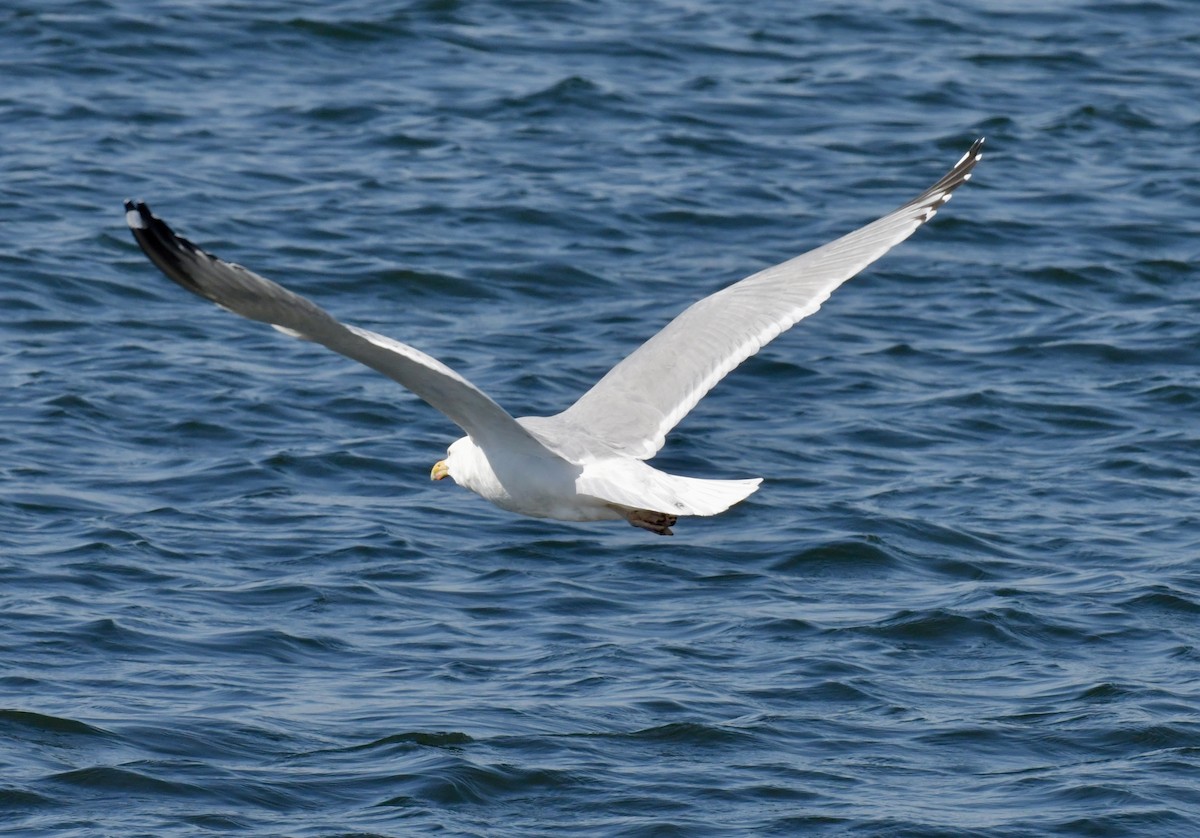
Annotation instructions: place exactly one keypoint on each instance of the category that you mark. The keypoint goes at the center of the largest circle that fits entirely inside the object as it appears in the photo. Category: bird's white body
(586, 463)
(539, 488)
(599, 490)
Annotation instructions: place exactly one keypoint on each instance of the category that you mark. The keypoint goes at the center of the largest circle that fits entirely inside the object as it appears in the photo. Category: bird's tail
(634, 484)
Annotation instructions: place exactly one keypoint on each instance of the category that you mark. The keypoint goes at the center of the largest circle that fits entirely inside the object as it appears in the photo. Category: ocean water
(966, 600)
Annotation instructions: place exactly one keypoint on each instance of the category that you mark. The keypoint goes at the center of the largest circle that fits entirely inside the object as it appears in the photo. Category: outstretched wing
(246, 293)
(642, 398)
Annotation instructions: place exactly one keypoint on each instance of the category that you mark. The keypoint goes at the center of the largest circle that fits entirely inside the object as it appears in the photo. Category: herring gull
(588, 462)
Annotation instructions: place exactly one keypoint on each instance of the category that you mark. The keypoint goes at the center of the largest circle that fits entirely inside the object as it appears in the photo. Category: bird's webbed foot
(656, 522)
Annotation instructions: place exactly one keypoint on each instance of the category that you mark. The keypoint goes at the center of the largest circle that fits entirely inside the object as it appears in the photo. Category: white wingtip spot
(292, 333)
(134, 219)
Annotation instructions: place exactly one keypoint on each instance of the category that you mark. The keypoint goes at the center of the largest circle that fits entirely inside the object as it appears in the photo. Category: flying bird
(588, 462)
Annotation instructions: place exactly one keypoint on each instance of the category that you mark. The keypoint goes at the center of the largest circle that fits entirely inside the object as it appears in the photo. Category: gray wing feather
(634, 406)
(246, 293)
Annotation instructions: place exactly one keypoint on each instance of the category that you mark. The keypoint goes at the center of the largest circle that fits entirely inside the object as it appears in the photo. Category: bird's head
(455, 465)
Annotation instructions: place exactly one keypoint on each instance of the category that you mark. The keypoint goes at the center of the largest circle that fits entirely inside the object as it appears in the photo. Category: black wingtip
(162, 246)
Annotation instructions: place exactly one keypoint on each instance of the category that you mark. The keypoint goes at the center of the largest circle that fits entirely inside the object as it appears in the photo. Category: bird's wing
(634, 406)
(246, 293)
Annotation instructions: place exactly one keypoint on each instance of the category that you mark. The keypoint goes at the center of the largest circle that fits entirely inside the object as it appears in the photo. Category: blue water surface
(966, 600)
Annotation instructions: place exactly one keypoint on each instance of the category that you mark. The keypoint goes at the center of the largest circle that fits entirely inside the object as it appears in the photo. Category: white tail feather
(636, 485)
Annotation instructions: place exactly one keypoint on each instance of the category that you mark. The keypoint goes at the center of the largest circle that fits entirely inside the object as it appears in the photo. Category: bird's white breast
(542, 487)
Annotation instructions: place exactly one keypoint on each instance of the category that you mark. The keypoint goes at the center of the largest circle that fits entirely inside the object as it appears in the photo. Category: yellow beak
(440, 470)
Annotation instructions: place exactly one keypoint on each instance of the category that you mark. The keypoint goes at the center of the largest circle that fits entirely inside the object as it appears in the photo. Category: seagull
(588, 462)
